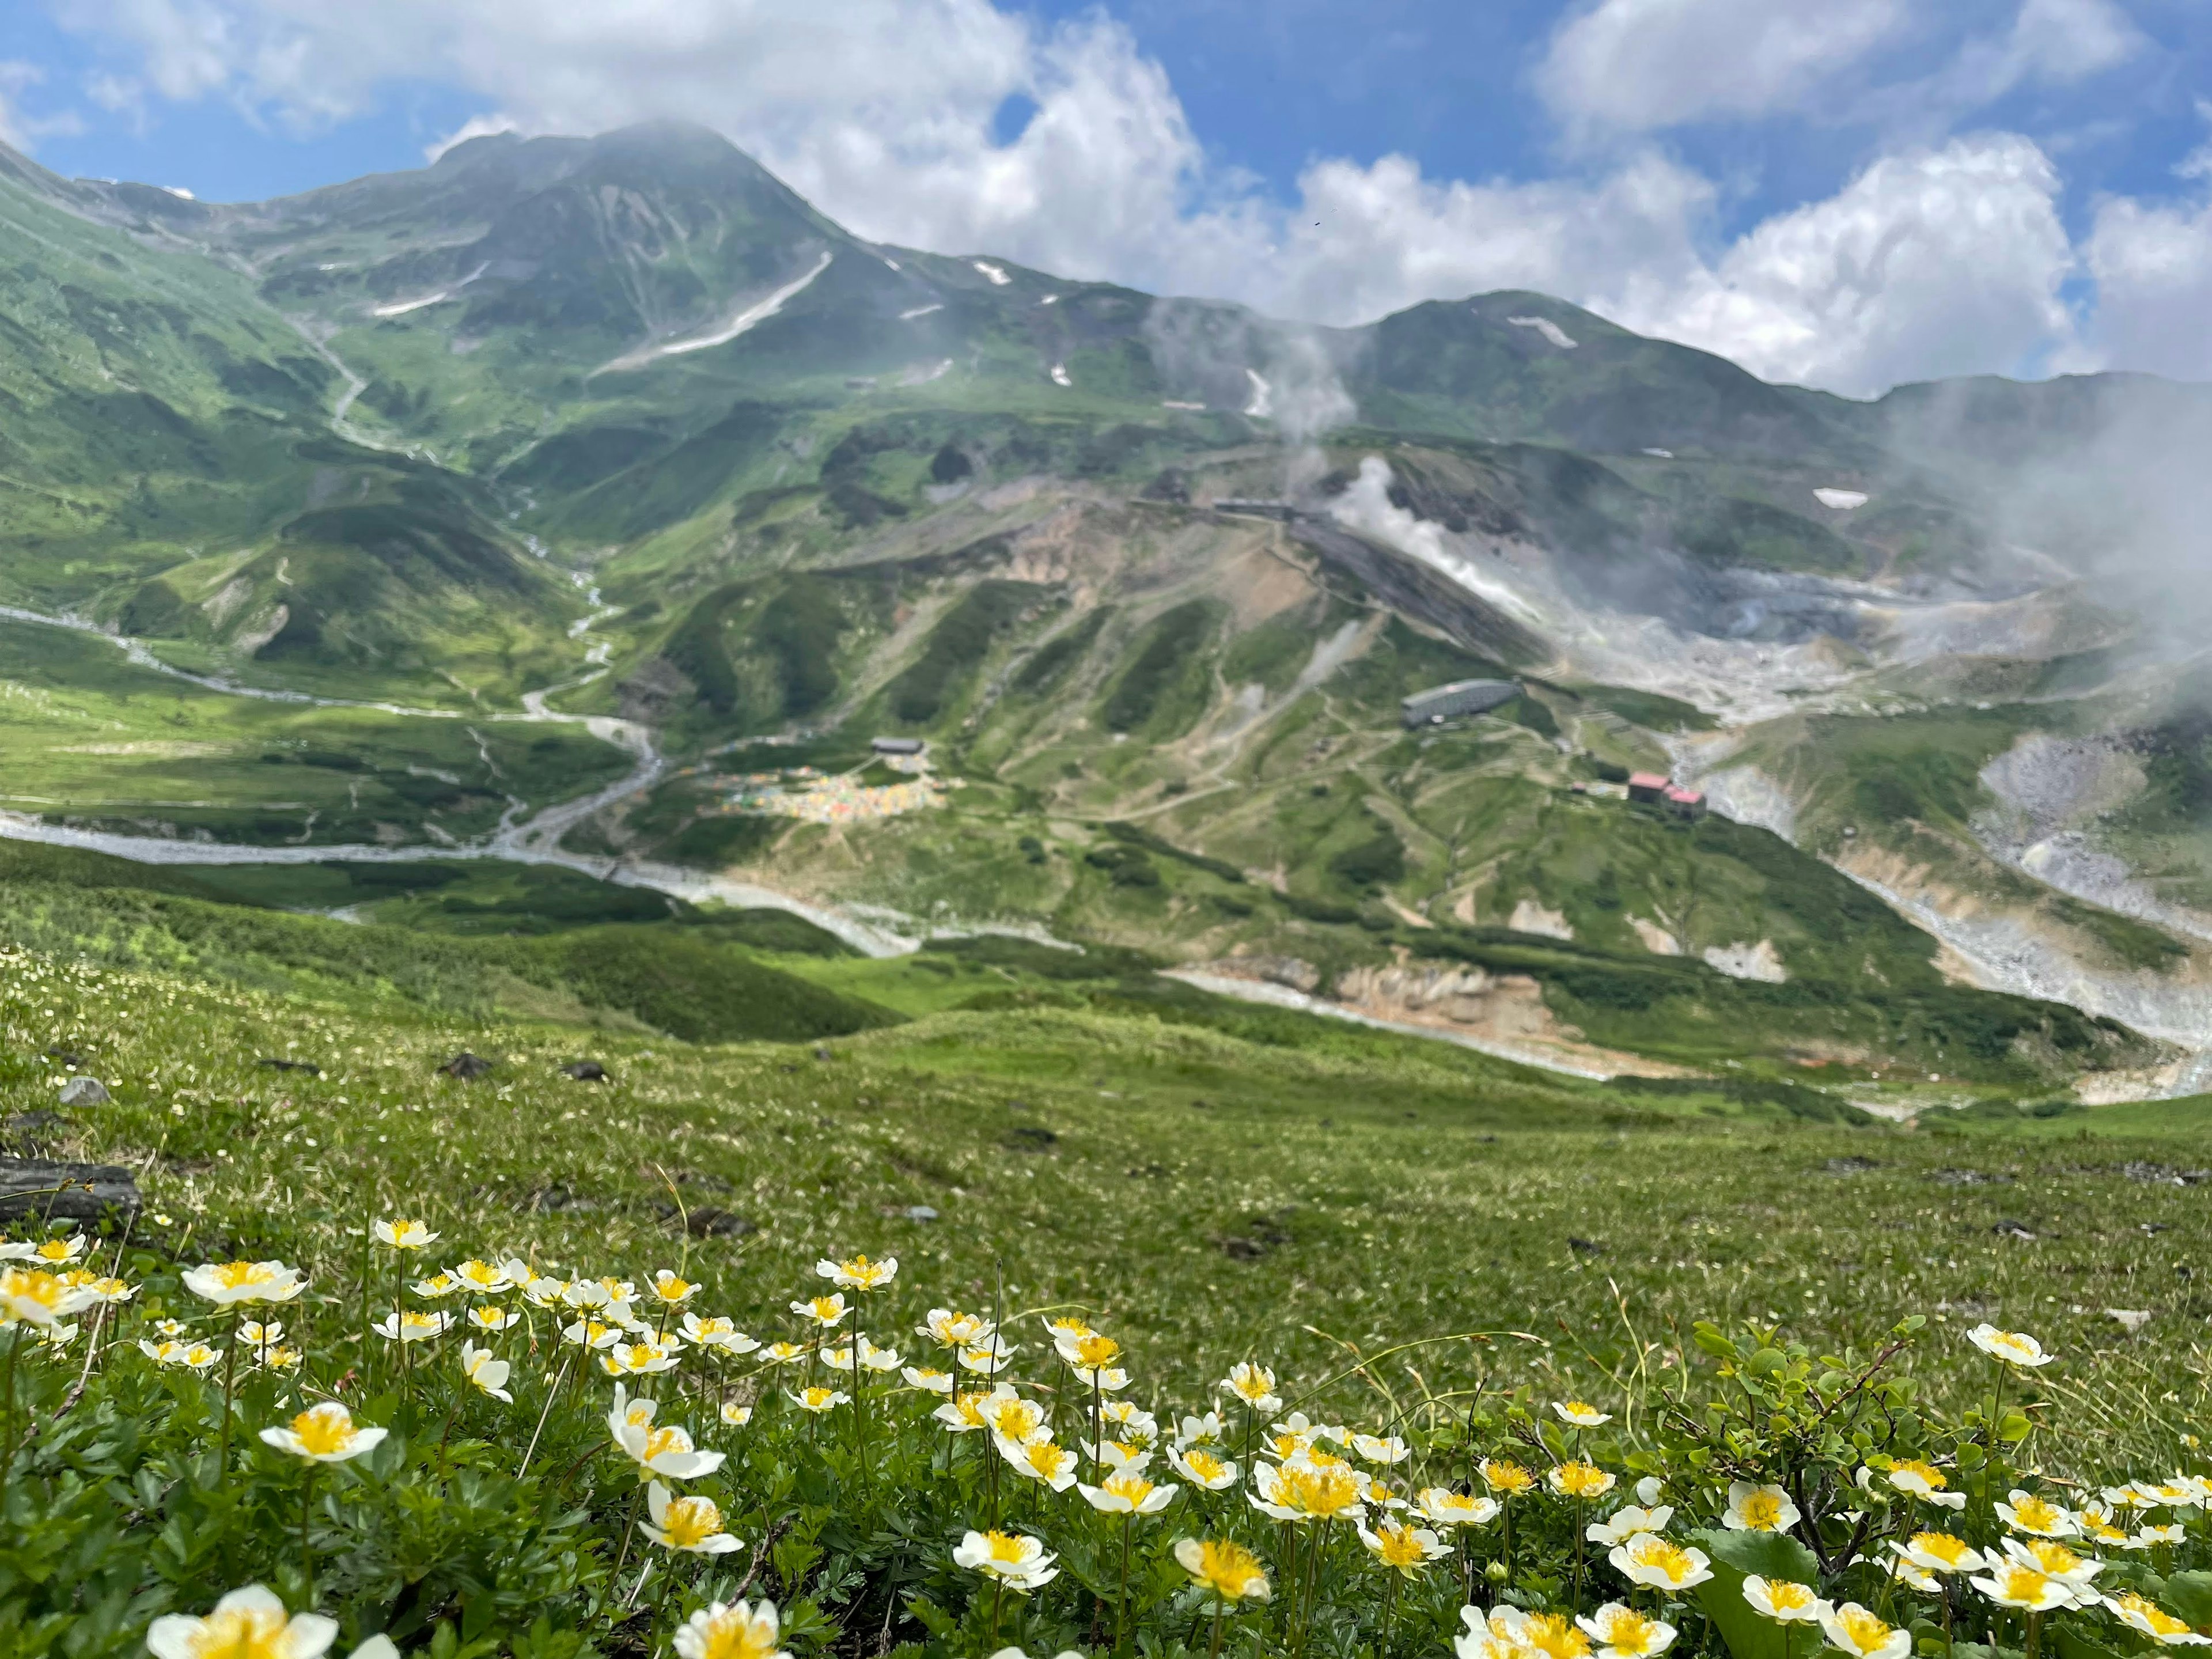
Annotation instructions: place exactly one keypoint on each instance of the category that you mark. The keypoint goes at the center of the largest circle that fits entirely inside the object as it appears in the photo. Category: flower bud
(1495, 1572)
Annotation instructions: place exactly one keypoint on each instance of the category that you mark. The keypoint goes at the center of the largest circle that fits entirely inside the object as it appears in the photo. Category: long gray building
(1460, 697)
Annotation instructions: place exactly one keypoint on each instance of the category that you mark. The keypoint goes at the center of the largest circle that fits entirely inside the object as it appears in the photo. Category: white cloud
(1940, 262)
(1639, 65)
(883, 112)
(2153, 266)
(19, 130)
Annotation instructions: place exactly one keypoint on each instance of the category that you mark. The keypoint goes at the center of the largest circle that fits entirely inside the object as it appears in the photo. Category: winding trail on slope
(524, 840)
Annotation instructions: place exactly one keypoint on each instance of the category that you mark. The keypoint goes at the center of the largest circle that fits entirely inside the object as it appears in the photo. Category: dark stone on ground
(306, 1065)
(1584, 1247)
(466, 1066)
(87, 1191)
(84, 1091)
(1031, 1138)
(585, 1071)
(2011, 1228)
(709, 1222)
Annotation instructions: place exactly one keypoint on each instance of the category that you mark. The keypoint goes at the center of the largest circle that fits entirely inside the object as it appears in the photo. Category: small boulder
(306, 1065)
(84, 1091)
(585, 1071)
(709, 1222)
(70, 1192)
(465, 1066)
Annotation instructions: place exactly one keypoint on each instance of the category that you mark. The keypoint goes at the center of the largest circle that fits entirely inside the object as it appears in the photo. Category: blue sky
(1849, 193)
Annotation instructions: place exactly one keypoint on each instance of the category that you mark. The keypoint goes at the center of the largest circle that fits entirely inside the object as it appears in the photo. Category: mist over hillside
(589, 505)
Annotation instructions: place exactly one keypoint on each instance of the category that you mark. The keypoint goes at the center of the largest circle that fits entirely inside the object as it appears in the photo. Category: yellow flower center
(1507, 1477)
(688, 1521)
(1927, 1472)
(1555, 1635)
(41, 1288)
(1670, 1558)
(970, 1407)
(828, 1309)
(1096, 1351)
(1582, 1480)
(233, 1275)
(1018, 1419)
(863, 1273)
(1229, 1571)
(57, 1249)
(1865, 1632)
(240, 1633)
(324, 1429)
(1321, 1493)
(673, 1289)
(732, 1635)
(1789, 1596)
(2022, 1584)
(1629, 1633)
(2161, 1622)
(1942, 1545)
(1006, 1548)
(660, 1442)
(1399, 1546)
(1762, 1510)
(2055, 1560)
(2036, 1514)
(817, 1397)
(1133, 1488)
(1204, 1468)
(1047, 1459)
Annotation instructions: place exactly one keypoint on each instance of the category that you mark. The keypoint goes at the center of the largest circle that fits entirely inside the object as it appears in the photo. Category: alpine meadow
(720, 940)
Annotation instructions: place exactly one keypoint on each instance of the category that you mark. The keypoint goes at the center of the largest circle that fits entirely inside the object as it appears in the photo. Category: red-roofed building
(1647, 787)
(1685, 803)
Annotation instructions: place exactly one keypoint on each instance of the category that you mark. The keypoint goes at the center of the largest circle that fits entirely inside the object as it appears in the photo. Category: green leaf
(1736, 1557)
(2069, 1642)
(2189, 1595)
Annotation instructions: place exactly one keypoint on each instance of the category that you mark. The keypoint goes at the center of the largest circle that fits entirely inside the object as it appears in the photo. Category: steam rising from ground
(1365, 508)
(1230, 358)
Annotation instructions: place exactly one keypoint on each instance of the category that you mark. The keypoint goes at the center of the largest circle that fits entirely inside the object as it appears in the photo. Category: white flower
(2052, 1559)
(412, 1326)
(1925, 1481)
(1661, 1564)
(1207, 1430)
(643, 1358)
(730, 1631)
(1039, 1460)
(1758, 1508)
(928, 1379)
(988, 1360)
(324, 1434)
(405, 1235)
(859, 1273)
(1621, 1633)
(1446, 1508)
(1202, 1468)
(234, 1282)
(1785, 1600)
(2138, 1613)
(819, 1399)
(1377, 1449)
(735, 1415)
(1626, 1521)
(1402, 1548)
(955, 1330)
(1016, 1560)
(2014, 1584)
(2014, 1347)
(1253, 1384)
(718, 1334)
(191, 1356)
(1862, 1634)
(488, 1372)
(1582, 1416)
(2037, 1516)
(246, 1624)
(657, 1450)
(493, 1319)
(1125, 1491)
(672, 1290)
(693, 1525)
(482, 1276)
(1938, 1552)
(37, 1297)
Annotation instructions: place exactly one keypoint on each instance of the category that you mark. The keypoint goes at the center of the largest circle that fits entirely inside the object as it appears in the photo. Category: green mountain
(560, 501)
